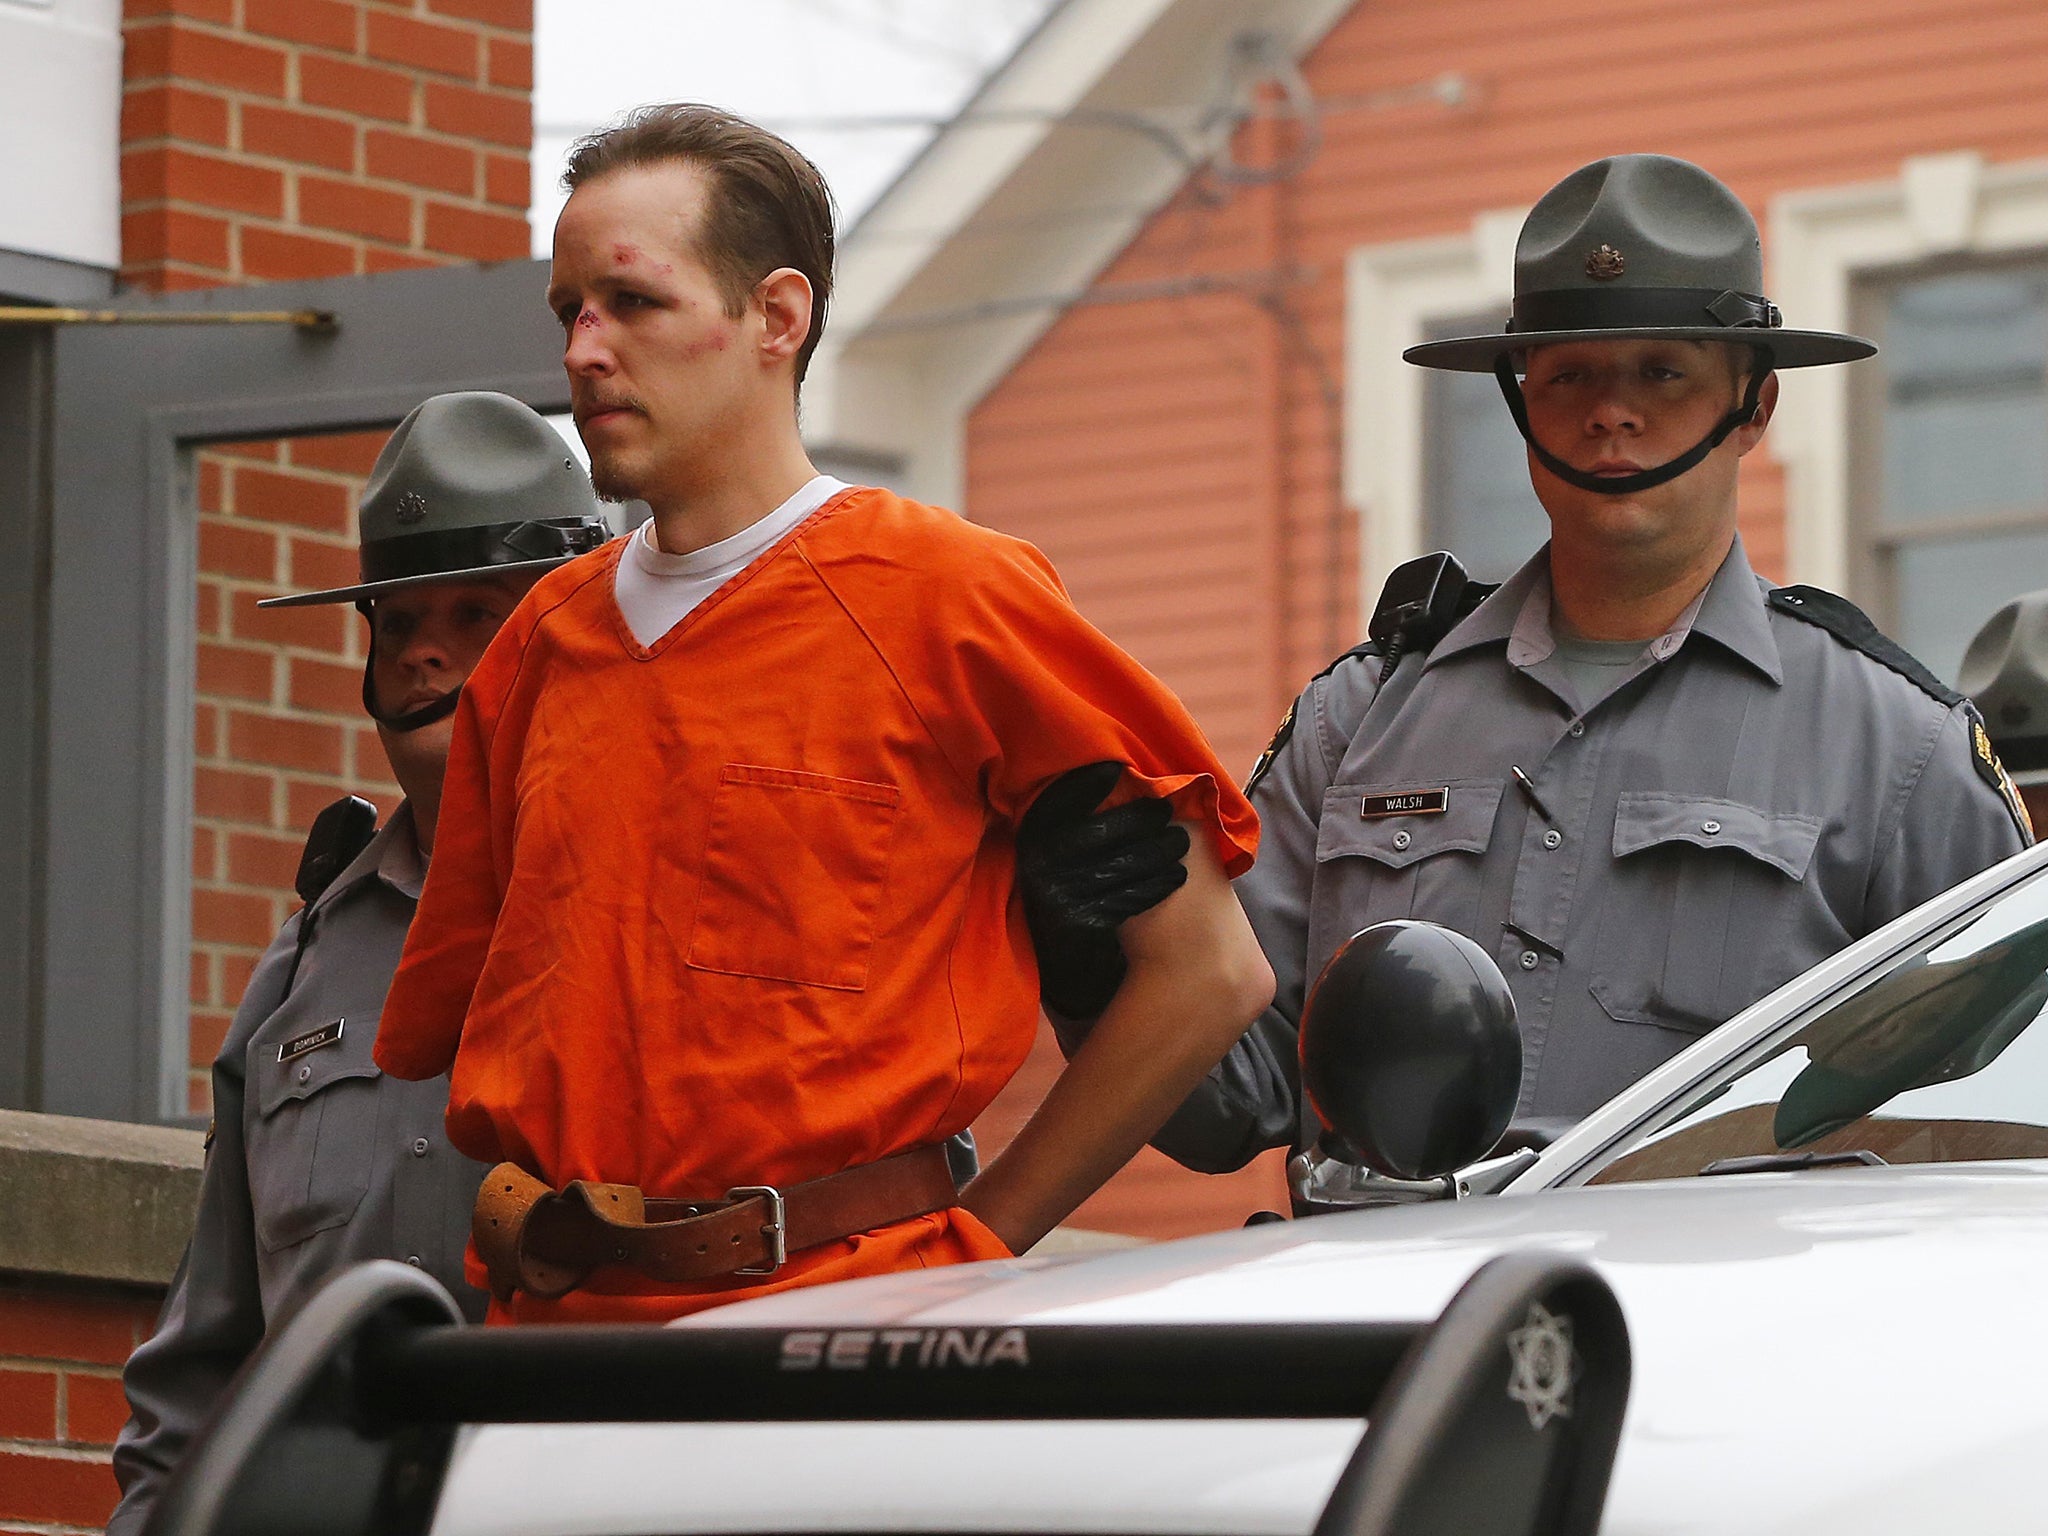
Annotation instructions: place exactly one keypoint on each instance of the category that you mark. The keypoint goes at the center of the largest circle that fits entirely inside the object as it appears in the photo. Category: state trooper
(316, 1159)
(1652, 785)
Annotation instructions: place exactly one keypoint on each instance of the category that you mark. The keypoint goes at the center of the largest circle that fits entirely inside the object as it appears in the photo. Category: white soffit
(60, 120)
(1026, 197)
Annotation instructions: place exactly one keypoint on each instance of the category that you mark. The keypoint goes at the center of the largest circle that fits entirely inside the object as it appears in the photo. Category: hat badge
(1604, 262)
(412, 506)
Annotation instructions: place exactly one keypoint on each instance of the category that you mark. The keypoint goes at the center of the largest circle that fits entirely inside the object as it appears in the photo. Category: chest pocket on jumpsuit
(1692, 927)
(1372, 869)
(795, 867)
(313, 1136)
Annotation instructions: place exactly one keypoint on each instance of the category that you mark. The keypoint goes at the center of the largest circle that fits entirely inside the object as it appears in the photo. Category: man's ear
(784, 300)
(1751, 432)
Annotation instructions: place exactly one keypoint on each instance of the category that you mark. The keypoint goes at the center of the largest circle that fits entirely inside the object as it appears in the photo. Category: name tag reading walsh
(311, 1040)
(1415, 802)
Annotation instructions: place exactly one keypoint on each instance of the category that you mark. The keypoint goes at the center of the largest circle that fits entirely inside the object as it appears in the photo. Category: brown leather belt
(546, 1243)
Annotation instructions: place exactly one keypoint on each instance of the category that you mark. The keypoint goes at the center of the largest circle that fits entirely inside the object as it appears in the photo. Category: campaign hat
(2005, 673)
(470, 484)
(1640, 248)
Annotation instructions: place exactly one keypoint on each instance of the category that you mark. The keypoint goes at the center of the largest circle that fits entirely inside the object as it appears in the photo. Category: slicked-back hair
(769, 207)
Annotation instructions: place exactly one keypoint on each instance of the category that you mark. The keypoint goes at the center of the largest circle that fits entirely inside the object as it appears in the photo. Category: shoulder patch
(1851, 625)
(1285, 731)
(1992, 772)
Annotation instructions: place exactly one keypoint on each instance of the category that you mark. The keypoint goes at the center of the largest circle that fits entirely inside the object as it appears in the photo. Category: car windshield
(1943, 1058)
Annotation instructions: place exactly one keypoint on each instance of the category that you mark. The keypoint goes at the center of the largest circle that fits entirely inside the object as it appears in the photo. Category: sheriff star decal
(1544, 1366)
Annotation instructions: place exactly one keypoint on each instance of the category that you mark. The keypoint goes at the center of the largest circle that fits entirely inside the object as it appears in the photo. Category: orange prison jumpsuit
(737, 908)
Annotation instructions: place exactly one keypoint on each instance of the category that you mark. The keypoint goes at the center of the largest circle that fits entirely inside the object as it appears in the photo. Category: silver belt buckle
(778, 1239)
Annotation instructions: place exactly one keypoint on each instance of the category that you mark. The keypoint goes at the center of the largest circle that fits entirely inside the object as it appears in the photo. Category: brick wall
(61, 1349)
(271, 140)
(278, 725)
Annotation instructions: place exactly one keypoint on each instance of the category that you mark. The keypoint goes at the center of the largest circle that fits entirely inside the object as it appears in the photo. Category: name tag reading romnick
(1415, 802)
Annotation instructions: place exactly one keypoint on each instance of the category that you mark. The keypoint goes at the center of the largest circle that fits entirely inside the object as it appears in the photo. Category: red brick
(268, 449)
(231, 917)
(508, 181)
(236, 967)
(212, 484)
(232, 548)
(473, 114)
(266, 496)
(307, 798)
(170, 111)
(342, 453)
(319, 628)
(323, 23)
(206, 730)
(510, 64)
(207, 608)
(205, 851)
(28, 1405)
(354, 209)
(94, 1408)
(316, 567)
(235, 672)
(198, 1094)
(169, 49)
(375, 260)
(278, 256)
(223, 794)
(204, 1034)
(221, 11)
(477, 235)
(366, 89)
(326, 687)
(511, 15)
(284, 133)
(199, 987)
(428, 45)
(45, 1488)
(310, 797)
(271, 862)
(176, 174)
(312, 746)
(174, 234)
(419, 162)
(171, 279)
(43, 1326)
(370, 761)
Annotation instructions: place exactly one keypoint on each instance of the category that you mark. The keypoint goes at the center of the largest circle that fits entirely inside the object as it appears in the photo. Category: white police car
(1788, 1283)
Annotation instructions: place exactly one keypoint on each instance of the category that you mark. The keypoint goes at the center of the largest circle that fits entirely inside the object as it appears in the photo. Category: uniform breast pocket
(1704, 893)
(313, 1138)
(1385, 851)
(795, 869)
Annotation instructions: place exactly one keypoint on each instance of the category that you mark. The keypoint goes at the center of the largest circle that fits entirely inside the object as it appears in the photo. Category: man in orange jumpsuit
(722, 914)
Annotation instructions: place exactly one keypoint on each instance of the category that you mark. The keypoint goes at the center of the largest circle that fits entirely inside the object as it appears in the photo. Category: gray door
(97, 429)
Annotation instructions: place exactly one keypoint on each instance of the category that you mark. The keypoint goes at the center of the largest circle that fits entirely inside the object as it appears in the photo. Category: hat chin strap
(412, 720)
(1642, 480)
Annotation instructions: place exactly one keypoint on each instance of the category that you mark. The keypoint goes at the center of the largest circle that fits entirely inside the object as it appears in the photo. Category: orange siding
(1175, 457)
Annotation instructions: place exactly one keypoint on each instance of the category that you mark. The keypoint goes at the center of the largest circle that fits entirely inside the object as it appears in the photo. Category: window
(1950, 451)
(1476, 498)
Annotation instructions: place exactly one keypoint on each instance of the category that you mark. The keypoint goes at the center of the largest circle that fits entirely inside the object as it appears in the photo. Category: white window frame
(1819, 243)
(1393, 295)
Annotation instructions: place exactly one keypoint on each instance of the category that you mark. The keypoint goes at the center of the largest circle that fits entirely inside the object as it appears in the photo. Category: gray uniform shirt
(1745, 799)
(319, 1161)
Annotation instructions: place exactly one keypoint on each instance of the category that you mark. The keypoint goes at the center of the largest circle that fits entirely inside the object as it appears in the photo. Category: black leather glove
(1082, 872)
